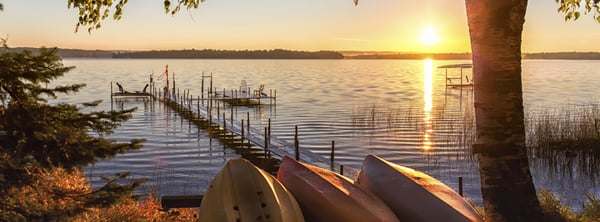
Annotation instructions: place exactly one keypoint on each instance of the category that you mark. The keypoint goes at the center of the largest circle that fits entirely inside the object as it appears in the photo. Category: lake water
(397, 109)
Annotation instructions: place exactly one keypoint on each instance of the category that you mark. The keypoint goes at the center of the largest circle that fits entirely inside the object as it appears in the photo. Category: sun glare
(429, 36)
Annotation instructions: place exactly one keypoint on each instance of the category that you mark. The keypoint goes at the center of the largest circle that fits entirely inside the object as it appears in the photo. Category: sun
(429, 36)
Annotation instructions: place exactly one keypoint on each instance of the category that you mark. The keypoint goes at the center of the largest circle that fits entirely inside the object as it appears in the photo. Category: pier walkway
(198, 109)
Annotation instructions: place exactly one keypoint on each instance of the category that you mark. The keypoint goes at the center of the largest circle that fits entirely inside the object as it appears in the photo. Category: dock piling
(297, 144)
(332, 152)
(460, 186)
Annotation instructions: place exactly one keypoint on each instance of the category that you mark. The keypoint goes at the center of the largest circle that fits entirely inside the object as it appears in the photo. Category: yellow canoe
(413, 195)
(324, 195)
(242, 192)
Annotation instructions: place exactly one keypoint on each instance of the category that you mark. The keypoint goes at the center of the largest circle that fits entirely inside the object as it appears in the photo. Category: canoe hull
(324, 195)
(243, 192)
(413, 195)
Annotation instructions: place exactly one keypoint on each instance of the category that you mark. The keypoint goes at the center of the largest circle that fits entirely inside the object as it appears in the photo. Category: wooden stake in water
(224, 122)
(242, 130)
(297, 144)
(332, 152)
(266, 140)
(248, 118)
(460, 186)
(199, 107)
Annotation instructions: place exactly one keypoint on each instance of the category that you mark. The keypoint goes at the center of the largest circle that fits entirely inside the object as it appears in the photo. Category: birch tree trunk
(495, 28)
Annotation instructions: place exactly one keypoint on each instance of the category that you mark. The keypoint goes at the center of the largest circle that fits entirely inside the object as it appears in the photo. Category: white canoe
(327, 196)
(413, 195)
(243, 192)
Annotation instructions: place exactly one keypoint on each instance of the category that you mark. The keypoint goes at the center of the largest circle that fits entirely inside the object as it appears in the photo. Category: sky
(373, 25)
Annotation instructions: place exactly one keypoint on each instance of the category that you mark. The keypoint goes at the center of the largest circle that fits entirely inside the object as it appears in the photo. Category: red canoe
(324, 195)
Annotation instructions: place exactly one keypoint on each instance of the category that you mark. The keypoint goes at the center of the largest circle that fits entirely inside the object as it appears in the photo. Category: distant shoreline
(290, 54)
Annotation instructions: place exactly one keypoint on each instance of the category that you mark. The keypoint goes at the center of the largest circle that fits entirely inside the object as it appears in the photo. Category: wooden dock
(256, 145)
(458, 80)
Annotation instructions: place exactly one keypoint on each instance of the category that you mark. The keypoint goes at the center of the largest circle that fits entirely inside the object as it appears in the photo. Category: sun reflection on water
(427, 104)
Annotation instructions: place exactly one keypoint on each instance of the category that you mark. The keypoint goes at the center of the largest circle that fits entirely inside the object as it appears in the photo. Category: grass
(555, 211)
(567, 140)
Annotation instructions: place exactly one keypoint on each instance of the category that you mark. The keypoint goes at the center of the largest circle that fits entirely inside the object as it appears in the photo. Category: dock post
(332, 153)
(342, 169)
(224, 123)
(297, 144)
(266, 140)
(202, 90)
(111, 96)
(231, 116)
(269, 128)
(248, 118)
(270, 97)
(460, 186)
(198, 107)
(218, 109)
(242, 131)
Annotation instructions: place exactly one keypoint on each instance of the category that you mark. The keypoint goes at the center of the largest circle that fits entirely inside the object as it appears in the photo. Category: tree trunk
(495, 27)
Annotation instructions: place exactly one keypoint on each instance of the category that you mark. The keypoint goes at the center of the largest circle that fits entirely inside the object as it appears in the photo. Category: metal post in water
(332, 152)
(199, 107)
(460, 186)
(297, 144)
(266, 140)
(242, 130)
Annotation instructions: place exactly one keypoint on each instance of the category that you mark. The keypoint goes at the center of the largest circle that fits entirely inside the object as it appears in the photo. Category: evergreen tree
(37, 137)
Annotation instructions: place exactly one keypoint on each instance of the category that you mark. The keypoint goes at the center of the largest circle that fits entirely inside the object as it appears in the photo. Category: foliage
(58, 194)
(37, 138)
(572, 8)
(58, 191)
(591, 209)
(555, 211)
(92, 12)
(553, 208)
(130, 209)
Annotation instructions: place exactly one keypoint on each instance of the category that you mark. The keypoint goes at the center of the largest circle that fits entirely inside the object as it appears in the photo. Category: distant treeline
(231, 54)
(563, 55)
(439, 56)
(71, 53)
(289, 54)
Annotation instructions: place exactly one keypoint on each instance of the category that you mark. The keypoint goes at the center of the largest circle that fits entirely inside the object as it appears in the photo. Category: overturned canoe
(413, 195)
(243, 192)
(324, 195)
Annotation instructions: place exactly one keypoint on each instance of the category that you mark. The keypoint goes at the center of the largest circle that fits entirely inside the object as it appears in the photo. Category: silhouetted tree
(38, 137)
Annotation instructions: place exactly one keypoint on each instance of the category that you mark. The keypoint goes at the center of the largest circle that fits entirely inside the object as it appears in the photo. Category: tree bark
(495, 28)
